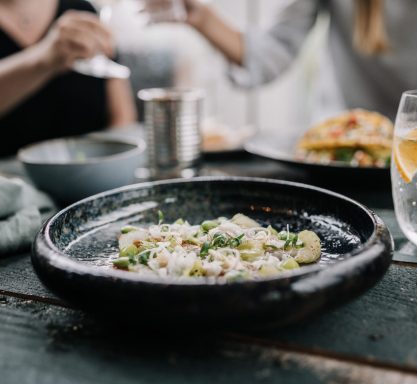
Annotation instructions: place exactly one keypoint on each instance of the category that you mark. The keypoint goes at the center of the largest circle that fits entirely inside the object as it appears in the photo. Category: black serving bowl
(72, 251)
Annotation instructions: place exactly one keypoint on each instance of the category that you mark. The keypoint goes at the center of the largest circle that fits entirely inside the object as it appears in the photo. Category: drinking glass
(159, 11)
(404, 165)
(100, 65)
(147, 12)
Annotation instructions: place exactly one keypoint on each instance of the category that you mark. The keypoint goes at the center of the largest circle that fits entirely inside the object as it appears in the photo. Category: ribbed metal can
(172, 120)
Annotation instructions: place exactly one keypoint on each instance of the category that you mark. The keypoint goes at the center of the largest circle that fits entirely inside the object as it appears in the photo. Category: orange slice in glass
(405, 155)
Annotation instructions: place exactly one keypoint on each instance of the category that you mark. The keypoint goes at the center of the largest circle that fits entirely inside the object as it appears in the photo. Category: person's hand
(196, 12)
(75, 35)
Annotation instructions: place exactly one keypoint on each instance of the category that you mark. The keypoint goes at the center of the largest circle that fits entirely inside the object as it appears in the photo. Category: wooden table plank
(367, 328)
(19, 278)
(381, 325)
(44, 344)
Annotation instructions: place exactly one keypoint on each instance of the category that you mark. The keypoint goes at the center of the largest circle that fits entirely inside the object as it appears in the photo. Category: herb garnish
(144, 257)
(220, 240)
(160, 217)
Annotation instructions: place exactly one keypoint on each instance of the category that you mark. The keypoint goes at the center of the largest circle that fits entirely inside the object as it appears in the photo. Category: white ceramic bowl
(72, 168)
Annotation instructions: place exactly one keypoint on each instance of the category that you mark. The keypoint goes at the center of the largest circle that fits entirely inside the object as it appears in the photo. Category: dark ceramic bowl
(71, 253)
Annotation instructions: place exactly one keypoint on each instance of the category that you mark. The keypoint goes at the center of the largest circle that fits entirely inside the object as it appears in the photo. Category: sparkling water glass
(404, 165)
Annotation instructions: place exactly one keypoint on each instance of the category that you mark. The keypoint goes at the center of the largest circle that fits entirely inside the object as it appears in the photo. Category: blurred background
(171, 54)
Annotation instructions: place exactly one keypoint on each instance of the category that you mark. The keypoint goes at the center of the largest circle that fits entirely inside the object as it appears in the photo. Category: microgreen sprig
(144, 256)
(220, 240)
(160, 217)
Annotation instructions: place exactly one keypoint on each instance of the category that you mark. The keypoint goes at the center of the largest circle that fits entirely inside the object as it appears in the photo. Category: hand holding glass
(147, 12)
(100, 65)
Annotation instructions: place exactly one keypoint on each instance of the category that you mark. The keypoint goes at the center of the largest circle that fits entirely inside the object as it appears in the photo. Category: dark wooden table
(370, 340)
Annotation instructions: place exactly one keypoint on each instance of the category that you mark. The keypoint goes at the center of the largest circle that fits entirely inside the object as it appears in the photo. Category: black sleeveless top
(69, 104)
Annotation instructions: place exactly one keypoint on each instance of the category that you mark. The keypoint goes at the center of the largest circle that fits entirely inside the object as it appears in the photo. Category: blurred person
(371, 45)
(40, 97)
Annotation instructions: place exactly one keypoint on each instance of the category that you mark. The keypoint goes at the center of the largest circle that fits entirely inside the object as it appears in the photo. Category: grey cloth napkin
(21, 208)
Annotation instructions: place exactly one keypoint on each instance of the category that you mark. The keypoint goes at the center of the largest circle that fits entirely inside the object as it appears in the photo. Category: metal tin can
(173, 130)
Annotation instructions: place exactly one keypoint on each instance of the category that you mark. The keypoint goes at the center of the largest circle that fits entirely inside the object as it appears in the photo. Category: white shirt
(371, 82)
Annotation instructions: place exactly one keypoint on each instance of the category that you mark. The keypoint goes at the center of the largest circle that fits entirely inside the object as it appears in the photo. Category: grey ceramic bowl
(72, 251)
(70, 169)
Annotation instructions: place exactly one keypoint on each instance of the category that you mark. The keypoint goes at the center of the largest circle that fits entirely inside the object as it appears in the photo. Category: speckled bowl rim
(138, 147)
(374, 248)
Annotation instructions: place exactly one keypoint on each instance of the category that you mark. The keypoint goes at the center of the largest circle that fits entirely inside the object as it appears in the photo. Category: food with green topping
(216, 251)
(357, 137)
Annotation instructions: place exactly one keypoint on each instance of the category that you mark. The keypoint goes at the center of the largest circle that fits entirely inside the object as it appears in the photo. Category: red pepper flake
(352, 122)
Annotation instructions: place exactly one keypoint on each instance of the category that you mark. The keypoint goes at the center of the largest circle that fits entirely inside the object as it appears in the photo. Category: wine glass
(159, 11)
(100, 65)
(404, 165)
(146, 12)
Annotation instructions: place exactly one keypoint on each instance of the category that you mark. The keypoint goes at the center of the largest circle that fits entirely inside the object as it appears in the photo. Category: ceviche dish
(358, 137)
(216, 251)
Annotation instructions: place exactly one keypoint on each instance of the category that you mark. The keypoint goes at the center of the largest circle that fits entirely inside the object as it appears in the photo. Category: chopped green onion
(131, 250)
(273, 230)
(270, 246)
(236, 241)
(294, 239)
(287, 244)
(299, 244)
(208, 224)
(290, 263)
(121, 263)
(204, 249)
(283, 235)
(160, 217)
(128, 228)
(193, 240)
(219, 241)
